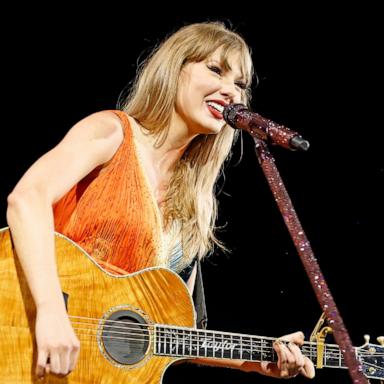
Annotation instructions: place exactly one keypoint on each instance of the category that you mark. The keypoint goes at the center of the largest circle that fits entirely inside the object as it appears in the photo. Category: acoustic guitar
(131, 328)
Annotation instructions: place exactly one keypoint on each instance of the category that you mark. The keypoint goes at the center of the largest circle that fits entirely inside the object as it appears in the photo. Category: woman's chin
(215, 128)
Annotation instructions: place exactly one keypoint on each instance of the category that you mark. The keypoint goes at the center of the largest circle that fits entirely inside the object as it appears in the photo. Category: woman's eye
(241, 85)
(215, 69)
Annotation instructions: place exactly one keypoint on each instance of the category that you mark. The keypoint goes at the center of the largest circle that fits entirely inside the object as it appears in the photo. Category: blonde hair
(191, 194)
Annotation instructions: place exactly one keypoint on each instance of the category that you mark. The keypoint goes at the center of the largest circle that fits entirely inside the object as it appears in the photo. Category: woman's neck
(164, 157)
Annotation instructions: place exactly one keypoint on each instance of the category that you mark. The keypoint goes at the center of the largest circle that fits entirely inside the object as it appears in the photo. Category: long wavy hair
(191, 196)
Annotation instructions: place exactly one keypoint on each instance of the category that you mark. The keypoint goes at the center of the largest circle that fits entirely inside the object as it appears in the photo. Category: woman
(135, 188)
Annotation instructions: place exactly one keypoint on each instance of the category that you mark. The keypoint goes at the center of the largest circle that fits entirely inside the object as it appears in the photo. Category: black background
(320, 73)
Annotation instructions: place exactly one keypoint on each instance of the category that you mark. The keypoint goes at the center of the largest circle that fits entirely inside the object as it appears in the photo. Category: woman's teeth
(217, 106)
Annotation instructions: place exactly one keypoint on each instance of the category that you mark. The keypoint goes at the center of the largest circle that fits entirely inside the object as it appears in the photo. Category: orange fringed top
(112, 213)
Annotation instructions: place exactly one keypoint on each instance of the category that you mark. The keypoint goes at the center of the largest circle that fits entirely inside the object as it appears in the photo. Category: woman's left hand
(291, 361)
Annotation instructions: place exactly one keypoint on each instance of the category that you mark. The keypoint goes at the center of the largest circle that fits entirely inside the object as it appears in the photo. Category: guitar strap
(199, 299)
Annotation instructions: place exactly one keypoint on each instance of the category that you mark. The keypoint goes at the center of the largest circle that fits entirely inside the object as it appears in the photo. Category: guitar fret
(312, 357)
(235, 347)
(165, 343)
(332, 356)
(184, 336)
(212, 345)
(325, 356)
(191, 343)
(168, 343)
(245, 348)
(161, 342)
(222, 345)
(174, 341)
(156, 339)
(198, 344)
(179, 346)
(307, 351)
(171, 344)
(219, 352)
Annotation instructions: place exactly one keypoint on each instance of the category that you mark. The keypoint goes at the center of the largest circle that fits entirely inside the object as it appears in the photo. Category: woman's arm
(90, 143)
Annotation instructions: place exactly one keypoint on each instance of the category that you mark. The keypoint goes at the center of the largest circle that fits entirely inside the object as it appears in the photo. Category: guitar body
(96, 299)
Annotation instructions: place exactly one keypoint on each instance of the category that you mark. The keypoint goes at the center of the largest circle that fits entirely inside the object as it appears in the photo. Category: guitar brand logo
(218, 345)
(193, 342)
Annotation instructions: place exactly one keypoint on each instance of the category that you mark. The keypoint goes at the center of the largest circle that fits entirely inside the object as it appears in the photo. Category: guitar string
(180, 329)
(195, 352)
(245, 342)
(181, 332)
(165, 340)
(168, 345)
(163, 335)
(197, 331)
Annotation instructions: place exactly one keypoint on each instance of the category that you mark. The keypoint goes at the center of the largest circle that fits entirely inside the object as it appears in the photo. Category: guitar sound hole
(125, 337)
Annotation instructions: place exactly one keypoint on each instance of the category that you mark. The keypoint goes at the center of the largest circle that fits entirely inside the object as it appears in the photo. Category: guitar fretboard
(190, 343)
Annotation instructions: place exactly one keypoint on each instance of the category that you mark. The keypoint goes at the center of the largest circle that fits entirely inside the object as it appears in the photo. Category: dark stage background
(320, 73)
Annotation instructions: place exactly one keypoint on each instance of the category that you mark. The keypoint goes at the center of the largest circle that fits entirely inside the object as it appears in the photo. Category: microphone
(240, 117)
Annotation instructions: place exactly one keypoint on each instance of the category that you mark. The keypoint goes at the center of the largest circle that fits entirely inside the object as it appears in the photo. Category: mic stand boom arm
(324, 297)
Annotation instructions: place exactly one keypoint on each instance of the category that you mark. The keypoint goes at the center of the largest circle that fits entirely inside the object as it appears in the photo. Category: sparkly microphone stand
(261, 129)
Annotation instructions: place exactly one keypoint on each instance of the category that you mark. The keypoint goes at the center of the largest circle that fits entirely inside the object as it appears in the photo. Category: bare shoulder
(100, 133)
(90, 143)
(99, 125)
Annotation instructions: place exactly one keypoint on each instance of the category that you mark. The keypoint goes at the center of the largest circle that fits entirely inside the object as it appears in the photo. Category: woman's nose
(228, 89)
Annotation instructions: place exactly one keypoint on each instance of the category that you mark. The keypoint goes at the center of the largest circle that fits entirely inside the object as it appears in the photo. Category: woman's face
(204, 89)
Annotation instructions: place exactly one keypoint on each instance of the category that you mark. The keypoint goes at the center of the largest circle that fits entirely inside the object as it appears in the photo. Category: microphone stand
(324, 297)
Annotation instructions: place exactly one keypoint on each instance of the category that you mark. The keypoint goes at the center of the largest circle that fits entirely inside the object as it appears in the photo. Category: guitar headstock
(371, 357)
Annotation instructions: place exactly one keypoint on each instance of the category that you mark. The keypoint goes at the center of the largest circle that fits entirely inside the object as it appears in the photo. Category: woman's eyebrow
(224, 63)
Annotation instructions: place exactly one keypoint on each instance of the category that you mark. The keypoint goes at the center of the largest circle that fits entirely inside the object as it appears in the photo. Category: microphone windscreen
(230, 112)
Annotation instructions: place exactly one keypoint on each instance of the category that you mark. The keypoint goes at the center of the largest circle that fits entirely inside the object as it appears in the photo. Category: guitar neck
(191, 343)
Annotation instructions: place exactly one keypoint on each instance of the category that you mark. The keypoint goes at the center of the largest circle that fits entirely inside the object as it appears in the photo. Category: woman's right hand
(55, 340)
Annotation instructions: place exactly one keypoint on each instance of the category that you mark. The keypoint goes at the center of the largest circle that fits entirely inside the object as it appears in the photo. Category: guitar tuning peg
(366, 338)
(380, 340)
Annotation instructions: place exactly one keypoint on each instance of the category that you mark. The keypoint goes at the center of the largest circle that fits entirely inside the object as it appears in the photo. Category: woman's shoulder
(100, 134)
(111, 125)
(105, 123)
